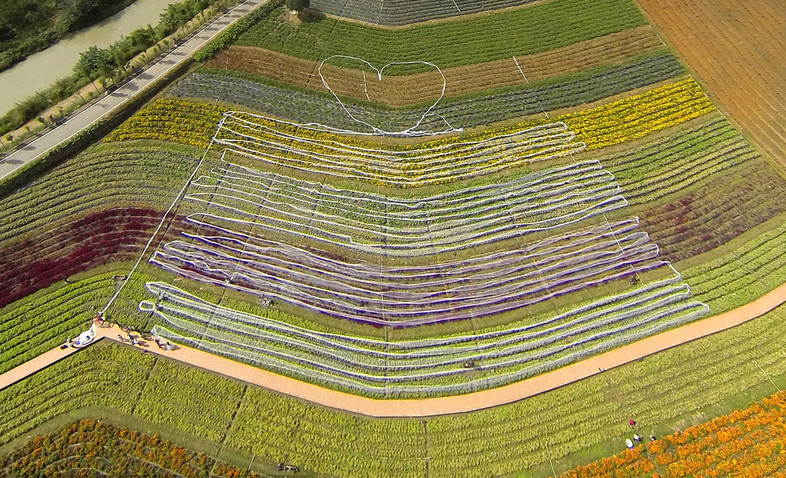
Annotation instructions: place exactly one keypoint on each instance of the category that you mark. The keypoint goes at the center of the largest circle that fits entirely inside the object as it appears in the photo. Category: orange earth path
(441, 405)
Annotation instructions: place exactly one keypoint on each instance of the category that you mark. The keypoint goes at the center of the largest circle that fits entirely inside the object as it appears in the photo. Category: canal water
(40, 70)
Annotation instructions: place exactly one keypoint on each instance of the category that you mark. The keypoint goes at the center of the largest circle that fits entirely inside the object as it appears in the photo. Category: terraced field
(397, 12)
(616, 49)
(661, 393)
(460, 219)
(95, 209)
(247, 216)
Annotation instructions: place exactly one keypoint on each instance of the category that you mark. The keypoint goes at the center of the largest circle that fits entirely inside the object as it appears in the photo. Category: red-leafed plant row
(716, 214)
(98, 238)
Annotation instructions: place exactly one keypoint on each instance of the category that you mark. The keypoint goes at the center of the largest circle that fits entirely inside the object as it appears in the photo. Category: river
(40, 70)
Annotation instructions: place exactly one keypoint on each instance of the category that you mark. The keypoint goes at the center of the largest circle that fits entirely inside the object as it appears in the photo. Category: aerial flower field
(746, 442)
(401, 210)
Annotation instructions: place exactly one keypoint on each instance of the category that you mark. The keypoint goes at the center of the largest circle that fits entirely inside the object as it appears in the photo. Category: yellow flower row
(606, 125)
(175, 121)
(637, 116)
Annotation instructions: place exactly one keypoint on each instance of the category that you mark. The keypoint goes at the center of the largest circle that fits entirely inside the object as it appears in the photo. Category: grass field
(541, 27)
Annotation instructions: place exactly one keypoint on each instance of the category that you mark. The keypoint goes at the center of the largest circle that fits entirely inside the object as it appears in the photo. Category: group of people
(636, 437)
(134, 339)
(164, 346)
(99, 321)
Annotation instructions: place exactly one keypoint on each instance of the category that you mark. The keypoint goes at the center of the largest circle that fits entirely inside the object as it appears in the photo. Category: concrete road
(116, 99)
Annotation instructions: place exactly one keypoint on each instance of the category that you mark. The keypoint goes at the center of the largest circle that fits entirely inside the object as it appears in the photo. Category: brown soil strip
(399, 91)
(443, 405)
(612, 49)
(736, 48)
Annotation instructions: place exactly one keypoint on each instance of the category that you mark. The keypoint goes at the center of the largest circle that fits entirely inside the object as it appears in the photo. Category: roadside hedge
(229, 36)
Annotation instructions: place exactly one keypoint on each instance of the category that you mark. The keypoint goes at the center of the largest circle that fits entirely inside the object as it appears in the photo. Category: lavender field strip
(586, 258)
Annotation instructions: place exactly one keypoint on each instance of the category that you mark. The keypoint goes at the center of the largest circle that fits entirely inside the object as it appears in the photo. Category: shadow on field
(311, 16)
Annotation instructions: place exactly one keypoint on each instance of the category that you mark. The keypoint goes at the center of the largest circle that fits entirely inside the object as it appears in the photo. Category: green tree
(7, 33)
(296, 5)
(176, 15)
(94, 62)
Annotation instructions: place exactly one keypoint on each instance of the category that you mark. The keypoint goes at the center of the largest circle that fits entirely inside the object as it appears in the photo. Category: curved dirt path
(432, 406)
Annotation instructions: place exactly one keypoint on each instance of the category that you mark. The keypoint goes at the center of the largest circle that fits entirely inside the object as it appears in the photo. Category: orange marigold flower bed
(747, 443)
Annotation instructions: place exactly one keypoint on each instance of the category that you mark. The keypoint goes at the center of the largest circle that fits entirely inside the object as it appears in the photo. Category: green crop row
(678, 161)
(658, 392)
(742, 275)
(229, 36)
(41, 322)
(541, 27)
(728, 206)
(128, 173)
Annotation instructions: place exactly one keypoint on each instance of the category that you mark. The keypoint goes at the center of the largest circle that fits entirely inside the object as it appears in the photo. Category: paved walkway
(433, 406)
(111, 102)
(34, 365)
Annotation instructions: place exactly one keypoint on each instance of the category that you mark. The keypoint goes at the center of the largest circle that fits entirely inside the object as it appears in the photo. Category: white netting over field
(278, 143)
(244, 200)
(456, 364)
(404, 262)
(410, 296)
